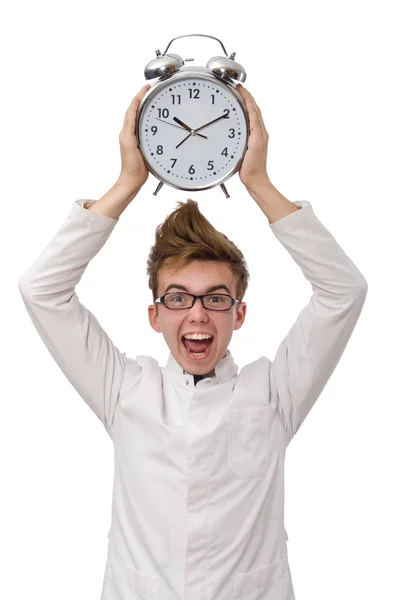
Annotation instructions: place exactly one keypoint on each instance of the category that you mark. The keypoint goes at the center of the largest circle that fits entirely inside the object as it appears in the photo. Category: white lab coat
(198, 497)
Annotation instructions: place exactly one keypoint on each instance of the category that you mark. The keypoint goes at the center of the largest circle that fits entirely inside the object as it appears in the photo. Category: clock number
(164, 112)
(173, 98)
(210, 165)
(159, 149)
(234, 133)
(191, 171)
(213, 98)
(154, 129)
(196, 91)
(174, 159)
(227, 111)
(225, 152)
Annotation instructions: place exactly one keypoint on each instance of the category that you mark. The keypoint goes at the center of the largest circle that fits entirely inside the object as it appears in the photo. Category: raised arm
(92, 363)
(80, 346)
(309, 353)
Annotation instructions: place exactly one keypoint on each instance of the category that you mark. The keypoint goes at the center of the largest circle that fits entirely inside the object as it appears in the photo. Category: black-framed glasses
(181, 300)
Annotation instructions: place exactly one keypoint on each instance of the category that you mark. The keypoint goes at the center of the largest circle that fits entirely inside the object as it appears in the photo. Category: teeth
(198, 336)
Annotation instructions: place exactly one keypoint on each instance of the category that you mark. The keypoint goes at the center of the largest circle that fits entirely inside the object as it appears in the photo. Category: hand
(133, 168)
(253, 173)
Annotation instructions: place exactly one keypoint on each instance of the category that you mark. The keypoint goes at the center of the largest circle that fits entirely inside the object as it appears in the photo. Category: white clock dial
(190, 160)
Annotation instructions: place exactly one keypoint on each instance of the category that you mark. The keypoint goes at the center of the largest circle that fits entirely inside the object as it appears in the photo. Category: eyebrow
(211, 289)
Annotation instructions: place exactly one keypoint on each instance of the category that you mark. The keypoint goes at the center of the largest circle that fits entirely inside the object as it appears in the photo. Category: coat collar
(223, 371)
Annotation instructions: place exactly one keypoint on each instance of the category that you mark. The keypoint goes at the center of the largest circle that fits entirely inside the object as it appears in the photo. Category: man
(198, 502)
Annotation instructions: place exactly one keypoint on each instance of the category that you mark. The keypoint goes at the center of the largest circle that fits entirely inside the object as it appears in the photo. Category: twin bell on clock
(192, 125)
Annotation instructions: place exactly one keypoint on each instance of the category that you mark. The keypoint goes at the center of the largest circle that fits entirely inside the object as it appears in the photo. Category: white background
(323, 75)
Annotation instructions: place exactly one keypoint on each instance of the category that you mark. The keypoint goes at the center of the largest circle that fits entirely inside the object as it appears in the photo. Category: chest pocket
(248, 441)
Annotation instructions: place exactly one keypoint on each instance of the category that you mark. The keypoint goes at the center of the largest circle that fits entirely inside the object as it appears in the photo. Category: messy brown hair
(186, 235)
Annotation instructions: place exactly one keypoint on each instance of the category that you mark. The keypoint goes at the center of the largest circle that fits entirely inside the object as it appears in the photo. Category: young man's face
(197, 278)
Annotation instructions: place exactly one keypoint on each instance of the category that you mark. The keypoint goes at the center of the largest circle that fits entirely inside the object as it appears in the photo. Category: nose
(197, 311)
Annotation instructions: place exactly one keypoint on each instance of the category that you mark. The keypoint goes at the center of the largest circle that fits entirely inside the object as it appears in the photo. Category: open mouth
(197, 348)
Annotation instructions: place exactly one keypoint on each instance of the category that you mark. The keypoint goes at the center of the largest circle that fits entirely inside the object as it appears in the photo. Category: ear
(153, 318)
(241, 312)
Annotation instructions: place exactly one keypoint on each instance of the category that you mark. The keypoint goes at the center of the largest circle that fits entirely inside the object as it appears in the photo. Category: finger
(264, 130)
(263, 126)
(130, 115)
(260, 118)
(254, 111)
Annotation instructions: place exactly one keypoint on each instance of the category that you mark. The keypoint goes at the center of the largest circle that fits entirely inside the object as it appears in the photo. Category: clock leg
(158, 188)
(225, 190)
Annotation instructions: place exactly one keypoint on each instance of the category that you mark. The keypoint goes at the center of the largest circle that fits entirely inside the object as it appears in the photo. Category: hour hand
(183, 124)
(187, 127)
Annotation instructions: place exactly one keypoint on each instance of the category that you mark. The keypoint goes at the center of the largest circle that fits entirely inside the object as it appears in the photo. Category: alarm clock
(192, 125)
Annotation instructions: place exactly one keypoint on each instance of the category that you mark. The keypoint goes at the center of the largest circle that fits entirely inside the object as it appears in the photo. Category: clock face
(192, 159)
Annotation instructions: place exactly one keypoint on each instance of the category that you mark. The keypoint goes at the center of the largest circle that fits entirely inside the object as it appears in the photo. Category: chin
(198, 368)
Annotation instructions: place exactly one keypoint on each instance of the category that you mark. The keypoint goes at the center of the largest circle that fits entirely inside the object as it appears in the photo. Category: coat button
(187, 383)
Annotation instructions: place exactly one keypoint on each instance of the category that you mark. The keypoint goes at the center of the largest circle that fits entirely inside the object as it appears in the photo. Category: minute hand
(210, 123)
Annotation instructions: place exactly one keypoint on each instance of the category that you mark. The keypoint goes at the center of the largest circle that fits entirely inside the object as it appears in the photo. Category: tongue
(197, 345)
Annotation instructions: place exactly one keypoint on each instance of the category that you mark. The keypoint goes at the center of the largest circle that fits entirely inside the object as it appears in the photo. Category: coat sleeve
(308, 355)
(74, 337)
